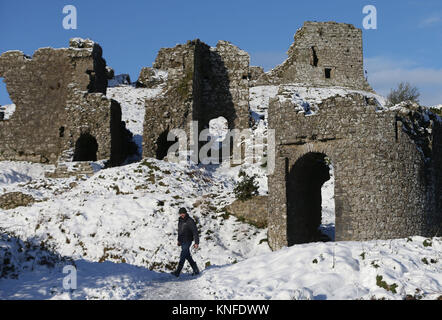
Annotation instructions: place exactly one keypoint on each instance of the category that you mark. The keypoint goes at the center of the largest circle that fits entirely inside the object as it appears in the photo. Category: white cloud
(431, 20)
(385, 73)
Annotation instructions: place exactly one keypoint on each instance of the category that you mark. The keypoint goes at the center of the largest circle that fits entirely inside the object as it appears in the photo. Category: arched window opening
(86, 148)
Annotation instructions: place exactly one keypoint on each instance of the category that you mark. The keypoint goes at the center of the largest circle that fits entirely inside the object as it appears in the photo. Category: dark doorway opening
(304, 198)
(328, 72)
(86, 148)
(163, 145)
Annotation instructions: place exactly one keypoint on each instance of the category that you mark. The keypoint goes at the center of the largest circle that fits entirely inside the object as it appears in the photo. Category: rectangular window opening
(328, 73)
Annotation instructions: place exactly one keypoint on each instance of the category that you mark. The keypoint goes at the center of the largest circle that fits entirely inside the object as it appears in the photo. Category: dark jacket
(187, 231)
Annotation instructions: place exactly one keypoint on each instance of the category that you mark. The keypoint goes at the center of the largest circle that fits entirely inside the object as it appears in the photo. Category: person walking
(187, 233)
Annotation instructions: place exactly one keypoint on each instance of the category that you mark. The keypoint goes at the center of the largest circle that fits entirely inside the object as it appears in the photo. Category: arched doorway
(218, 133)
(86, 148)
(163, 145)
(304, 198)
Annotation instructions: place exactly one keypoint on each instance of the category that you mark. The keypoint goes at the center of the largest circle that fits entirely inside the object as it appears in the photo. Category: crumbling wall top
(323, 54)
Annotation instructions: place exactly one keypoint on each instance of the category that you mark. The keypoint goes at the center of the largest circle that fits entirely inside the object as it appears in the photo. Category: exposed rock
(253, 211)
(255, 74)
(151, 78)
(14, 200)
(78, 170)
(118, 80)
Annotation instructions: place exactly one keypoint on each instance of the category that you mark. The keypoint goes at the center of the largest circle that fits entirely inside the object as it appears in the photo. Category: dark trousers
(185, 255)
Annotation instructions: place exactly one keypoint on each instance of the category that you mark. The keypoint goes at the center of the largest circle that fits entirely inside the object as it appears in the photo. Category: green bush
(246, 188)
(389, 287)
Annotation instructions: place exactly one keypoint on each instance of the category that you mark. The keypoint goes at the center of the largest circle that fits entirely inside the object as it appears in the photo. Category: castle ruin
(387, 161)
(203, 83)
(323, 54)
(62, 110)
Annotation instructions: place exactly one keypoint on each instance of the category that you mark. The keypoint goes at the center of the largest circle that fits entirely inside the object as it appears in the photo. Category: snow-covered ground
(118, 228)
(8, 110)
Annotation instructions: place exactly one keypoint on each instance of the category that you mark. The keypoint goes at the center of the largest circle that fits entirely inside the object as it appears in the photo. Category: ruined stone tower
(387, 167)
(203, 83)
(387, 162)
(324, 54)
(61, 106)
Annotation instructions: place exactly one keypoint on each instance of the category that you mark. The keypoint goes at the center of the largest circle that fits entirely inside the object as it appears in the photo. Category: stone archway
(86, 148)
(163, 145)
(304, 199)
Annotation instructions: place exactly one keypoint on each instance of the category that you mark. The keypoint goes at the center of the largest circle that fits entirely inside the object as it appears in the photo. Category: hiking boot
(196, 271)
(175, 273)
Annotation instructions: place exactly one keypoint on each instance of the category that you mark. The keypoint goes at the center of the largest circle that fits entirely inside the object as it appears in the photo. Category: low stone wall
(253, 211)
(78, 170)
(14, 200)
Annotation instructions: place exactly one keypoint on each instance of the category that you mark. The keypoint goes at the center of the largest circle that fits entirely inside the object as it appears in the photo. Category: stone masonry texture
(387, 161)
(253, 211)
(387, 174)
(59, 95)
(318, 47)
(203, 83)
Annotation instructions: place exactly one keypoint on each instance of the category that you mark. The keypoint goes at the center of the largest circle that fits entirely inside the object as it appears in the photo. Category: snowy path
(390, 269)
(170, 288)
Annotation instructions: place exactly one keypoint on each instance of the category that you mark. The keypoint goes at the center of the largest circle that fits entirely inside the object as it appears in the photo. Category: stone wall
(225, 85)
(256, 73)
(323, 54)
(14, 200)
(150, 78)
(173, 109)
(95, 116)
(203, 83)
(54, 91)
(437, 172)
(383, 184)
(253, 211)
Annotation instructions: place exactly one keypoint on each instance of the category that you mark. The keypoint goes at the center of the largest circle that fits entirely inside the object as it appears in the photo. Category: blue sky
(407, 44)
